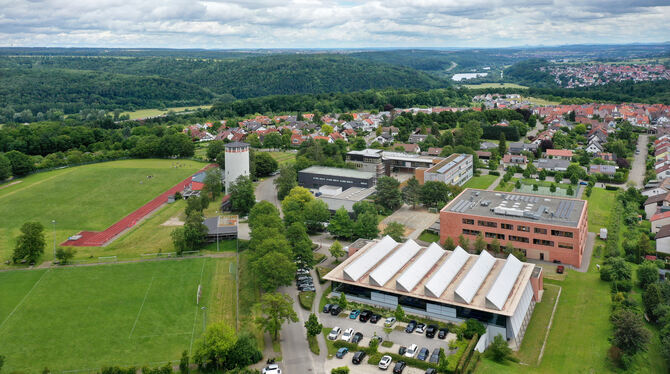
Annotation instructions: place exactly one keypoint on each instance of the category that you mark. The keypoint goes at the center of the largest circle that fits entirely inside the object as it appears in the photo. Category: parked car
(411, 351)
(377, 338)
(357, 338)
(307, 288)
(410, 327)
(347, 335)
(327, 307)
(385, 362)
(354, 314)
(420, 328)
(358, 357)
(334, 333)
(430, 331)
(442, 333)
(431, 371)
(399, 367)
(272, 369)
(423, 354)
(389, 321)
(341, 352)
(560, 269)
(365, 316)
(583, 183)
(335, 310)
(402, 350)
(375, 318)
(435, 356)
(303, 278)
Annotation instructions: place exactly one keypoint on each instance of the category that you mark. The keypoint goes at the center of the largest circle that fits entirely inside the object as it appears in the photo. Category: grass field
(601, 202)
(125, 314)
(482, 182)
(283, 157)
(538, 101)
(90, 197)
(144, 113)
(494, 85)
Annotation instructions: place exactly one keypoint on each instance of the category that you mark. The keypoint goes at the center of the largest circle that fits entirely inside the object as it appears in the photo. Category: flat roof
(367, 152)
(353, 194)
(408, 157)
(386, 265)
(339, 172)
(448, 163)
(552, 210)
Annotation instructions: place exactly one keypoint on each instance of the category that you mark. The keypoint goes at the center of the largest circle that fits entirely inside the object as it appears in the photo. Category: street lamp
(53, 221)
(204, 318)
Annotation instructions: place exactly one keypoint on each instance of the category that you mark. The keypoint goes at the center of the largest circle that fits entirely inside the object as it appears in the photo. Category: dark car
(375, 318)
(303, 278)
(306, 287)
(431, 371)
(430, 331)
(423, 354)
(442, 333)
(327, 308)
(402, 350)
(357, 338)
(358, 357)
(435, 356)
(399, 367)
(365, 316)
(335, 310)
(410, 327)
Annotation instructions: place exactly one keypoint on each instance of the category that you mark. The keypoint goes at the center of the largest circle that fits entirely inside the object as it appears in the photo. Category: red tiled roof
(559, 152)
(661, 215)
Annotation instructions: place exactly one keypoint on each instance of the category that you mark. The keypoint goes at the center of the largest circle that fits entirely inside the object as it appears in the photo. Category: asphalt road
(266, 191)
(638, 169)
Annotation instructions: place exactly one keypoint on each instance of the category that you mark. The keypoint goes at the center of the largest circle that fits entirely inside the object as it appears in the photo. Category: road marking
(551, 320)
(195, 315)
(24, 299)
(141, 306)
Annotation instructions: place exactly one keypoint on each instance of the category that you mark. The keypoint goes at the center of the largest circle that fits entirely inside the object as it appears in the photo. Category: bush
(472, 328)
(621, 286)
(340, 370)
(313, 344)
(321, 272)
(467, 354)
(306, 299)
(319, 258)
(494, 172)
(611, 188)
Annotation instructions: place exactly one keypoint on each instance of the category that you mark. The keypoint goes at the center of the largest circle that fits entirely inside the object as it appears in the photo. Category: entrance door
(541, 256)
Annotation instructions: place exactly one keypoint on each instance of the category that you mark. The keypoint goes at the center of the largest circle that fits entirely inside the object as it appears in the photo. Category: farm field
(90, 197)
(83, 318)
(482, 182)
(283, 157)
(494, 85)
(144, 113)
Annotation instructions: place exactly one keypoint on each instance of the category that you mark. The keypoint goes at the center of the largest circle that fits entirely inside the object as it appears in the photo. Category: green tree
(574, 179)
(316, 212)
(341, 225)
(342, 301)
(221, 159)
(212, 183)
(472, 327)
(272, 140)
(470, 135)
(569, 191)
(214, 347)
(366, 226)
(30, 243)
(502, 144)
(336, 250)
(399, 313)
(242, 195)
(647, 273)
(517, 185)
(214, 148)
(464, 242)
(265, 164)
(274, 269)
(449, 244)
(395, 230)
(190, 236)
(259, 211)
(313, 326)
(286, 181)
(535, 186)
(22, 164)
(296, 234)
(435, 194)
(495, 245)
(184, 363)
(411, 193)
(629, 333)
(276, 309)
(64, 255)
(480, 243)
(499, 350)
(293, 205)
(542, 175)
(558, 177)
(5, 167)
(552, 187)
(388, 193)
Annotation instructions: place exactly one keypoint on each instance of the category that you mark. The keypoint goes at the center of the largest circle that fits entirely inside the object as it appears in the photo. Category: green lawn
(429, 237)
(82, 318)
(144, 113)
(90, 197)
(494, 85)
(506, 187)
(482, 182)
(600, 206)
(283, 158)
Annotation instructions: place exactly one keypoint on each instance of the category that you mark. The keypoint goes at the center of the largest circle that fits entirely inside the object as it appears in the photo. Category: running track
(99, 238)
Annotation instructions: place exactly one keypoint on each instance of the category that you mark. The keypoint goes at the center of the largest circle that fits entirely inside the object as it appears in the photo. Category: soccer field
(90, 197)
(136, 314)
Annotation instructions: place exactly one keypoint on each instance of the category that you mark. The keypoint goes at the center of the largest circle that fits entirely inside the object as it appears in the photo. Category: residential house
(434, 151)
(608, 170)
(408, 148)
(594, 147)
(552, 164)
(564, 154)
(483, 155)
(514, 160)
(653, 204)
(663, 172)
(518, 147)
(606, 156)
(297, 140)
(417, 138)
(663, 239)
(485, 146)
(659, 220)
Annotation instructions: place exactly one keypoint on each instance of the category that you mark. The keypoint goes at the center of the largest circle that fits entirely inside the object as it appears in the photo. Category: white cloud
(329, 23)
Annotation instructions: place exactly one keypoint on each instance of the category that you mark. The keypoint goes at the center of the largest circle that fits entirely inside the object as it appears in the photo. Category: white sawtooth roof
(447, 272)
(474, 279)
(390, 267)
(370, 258)
(504, 282)
(415, 272)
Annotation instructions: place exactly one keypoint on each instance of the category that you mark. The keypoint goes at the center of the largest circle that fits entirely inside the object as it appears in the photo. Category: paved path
(266, 190)
(416, 220)
(636, 175)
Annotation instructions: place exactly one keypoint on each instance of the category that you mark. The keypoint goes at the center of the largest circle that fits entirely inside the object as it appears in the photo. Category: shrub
(499, 351)
(340, 370)
(306, 299)
(472, 328)
(494, 172)
(621, 286)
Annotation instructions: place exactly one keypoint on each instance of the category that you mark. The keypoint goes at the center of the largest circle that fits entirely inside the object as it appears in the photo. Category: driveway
(415, 220)
(266, 191)
(636, 175)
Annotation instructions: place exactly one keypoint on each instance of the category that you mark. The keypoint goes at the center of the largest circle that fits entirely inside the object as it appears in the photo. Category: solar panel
(387, 269)
(504, 283)
(474, 279)
(355, 270)
(421, 266)
(446, 273)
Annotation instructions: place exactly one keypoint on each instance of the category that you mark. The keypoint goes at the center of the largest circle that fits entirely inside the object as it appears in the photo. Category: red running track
(99, 238)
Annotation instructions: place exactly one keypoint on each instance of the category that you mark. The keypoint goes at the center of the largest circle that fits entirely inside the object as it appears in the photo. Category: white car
(334, 333)
(272, 369)
(411, 351)
(347, 335)
(389, 321)
(385, 362)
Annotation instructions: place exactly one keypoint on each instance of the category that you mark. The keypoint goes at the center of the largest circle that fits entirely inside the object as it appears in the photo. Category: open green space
(144, 113)
(544, 188)
(83, 318)
(482, 182)
(283, 158)
(90, 197)
(429, 237)
(494, 85)
(506, 187)
(601, 202)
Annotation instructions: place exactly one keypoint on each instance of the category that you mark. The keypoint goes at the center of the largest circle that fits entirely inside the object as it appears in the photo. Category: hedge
(306, 299)
(321, 271)
(494, 172)
(423, 365)
(471, 368)
(467, 354)
(611, 188)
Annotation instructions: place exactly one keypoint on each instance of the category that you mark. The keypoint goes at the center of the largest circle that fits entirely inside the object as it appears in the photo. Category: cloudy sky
(330, 23)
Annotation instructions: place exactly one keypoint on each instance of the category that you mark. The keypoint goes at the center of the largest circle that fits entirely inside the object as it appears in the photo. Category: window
(520, 239)
(471, 232)
(507, 226)
(565, 234)
(523, 228)
(540, 231)
(565, 245)
(487, 223)
(495, 235)
(547, 243)
(467, 221)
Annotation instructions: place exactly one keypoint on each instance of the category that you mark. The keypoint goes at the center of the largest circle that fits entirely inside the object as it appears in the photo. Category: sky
(330, 24)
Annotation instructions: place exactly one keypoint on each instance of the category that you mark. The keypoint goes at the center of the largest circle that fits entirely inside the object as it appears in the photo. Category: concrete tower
(237, 162)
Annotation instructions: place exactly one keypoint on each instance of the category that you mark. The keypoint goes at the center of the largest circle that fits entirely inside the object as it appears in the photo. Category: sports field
(125, 314)
(90, 197)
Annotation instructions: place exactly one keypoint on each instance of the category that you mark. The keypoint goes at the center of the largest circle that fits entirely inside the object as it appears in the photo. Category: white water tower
(237, 162)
